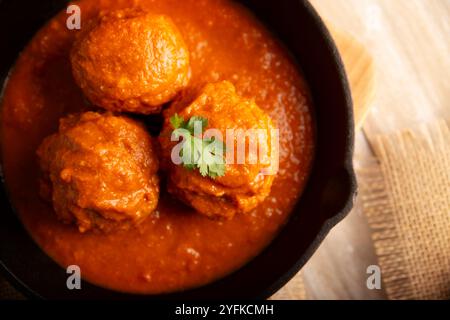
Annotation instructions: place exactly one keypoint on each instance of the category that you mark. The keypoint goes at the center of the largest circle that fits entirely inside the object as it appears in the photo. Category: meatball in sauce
(130, 60)
(99, 171)
(243, 186)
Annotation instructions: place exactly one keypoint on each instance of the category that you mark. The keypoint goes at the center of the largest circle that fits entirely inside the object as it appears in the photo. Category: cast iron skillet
(328, 196)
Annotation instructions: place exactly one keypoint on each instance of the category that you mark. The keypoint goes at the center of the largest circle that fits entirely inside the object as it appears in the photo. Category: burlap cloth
(405, 192)
(406, 199)
(293, 290)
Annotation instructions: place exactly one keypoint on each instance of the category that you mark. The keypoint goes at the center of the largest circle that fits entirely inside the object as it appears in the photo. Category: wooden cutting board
(360, 72)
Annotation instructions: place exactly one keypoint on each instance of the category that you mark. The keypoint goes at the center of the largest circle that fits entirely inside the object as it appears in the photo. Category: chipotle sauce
(175, 248)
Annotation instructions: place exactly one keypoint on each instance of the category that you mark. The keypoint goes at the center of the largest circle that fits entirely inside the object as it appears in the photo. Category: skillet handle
(339, 193)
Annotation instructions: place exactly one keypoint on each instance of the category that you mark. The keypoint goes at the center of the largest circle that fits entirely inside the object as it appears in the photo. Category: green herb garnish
(198, 152)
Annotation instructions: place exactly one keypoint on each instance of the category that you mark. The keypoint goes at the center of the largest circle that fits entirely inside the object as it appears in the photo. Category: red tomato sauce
(174, 248)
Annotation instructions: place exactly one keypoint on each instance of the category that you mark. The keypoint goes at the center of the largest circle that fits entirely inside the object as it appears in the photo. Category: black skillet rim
(326, 227)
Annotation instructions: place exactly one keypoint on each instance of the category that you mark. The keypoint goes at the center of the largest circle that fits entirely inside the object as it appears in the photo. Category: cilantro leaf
(197, 152)
(199, 121)
(176, 121)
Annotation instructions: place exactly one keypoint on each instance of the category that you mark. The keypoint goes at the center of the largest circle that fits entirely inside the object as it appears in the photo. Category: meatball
(100, 171)
(244, 185)
(129, 60)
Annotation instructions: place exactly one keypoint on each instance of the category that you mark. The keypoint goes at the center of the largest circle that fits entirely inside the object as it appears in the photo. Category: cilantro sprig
(198, 152)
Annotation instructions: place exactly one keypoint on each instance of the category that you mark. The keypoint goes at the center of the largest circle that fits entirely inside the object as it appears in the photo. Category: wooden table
(409, 41)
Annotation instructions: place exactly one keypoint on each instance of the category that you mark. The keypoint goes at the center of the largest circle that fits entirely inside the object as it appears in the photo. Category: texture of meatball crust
(130, 60)
(243, 186)
(100, 171)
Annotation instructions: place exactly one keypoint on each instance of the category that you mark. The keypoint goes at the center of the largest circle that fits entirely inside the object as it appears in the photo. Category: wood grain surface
(359, 67)
(409, 43)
